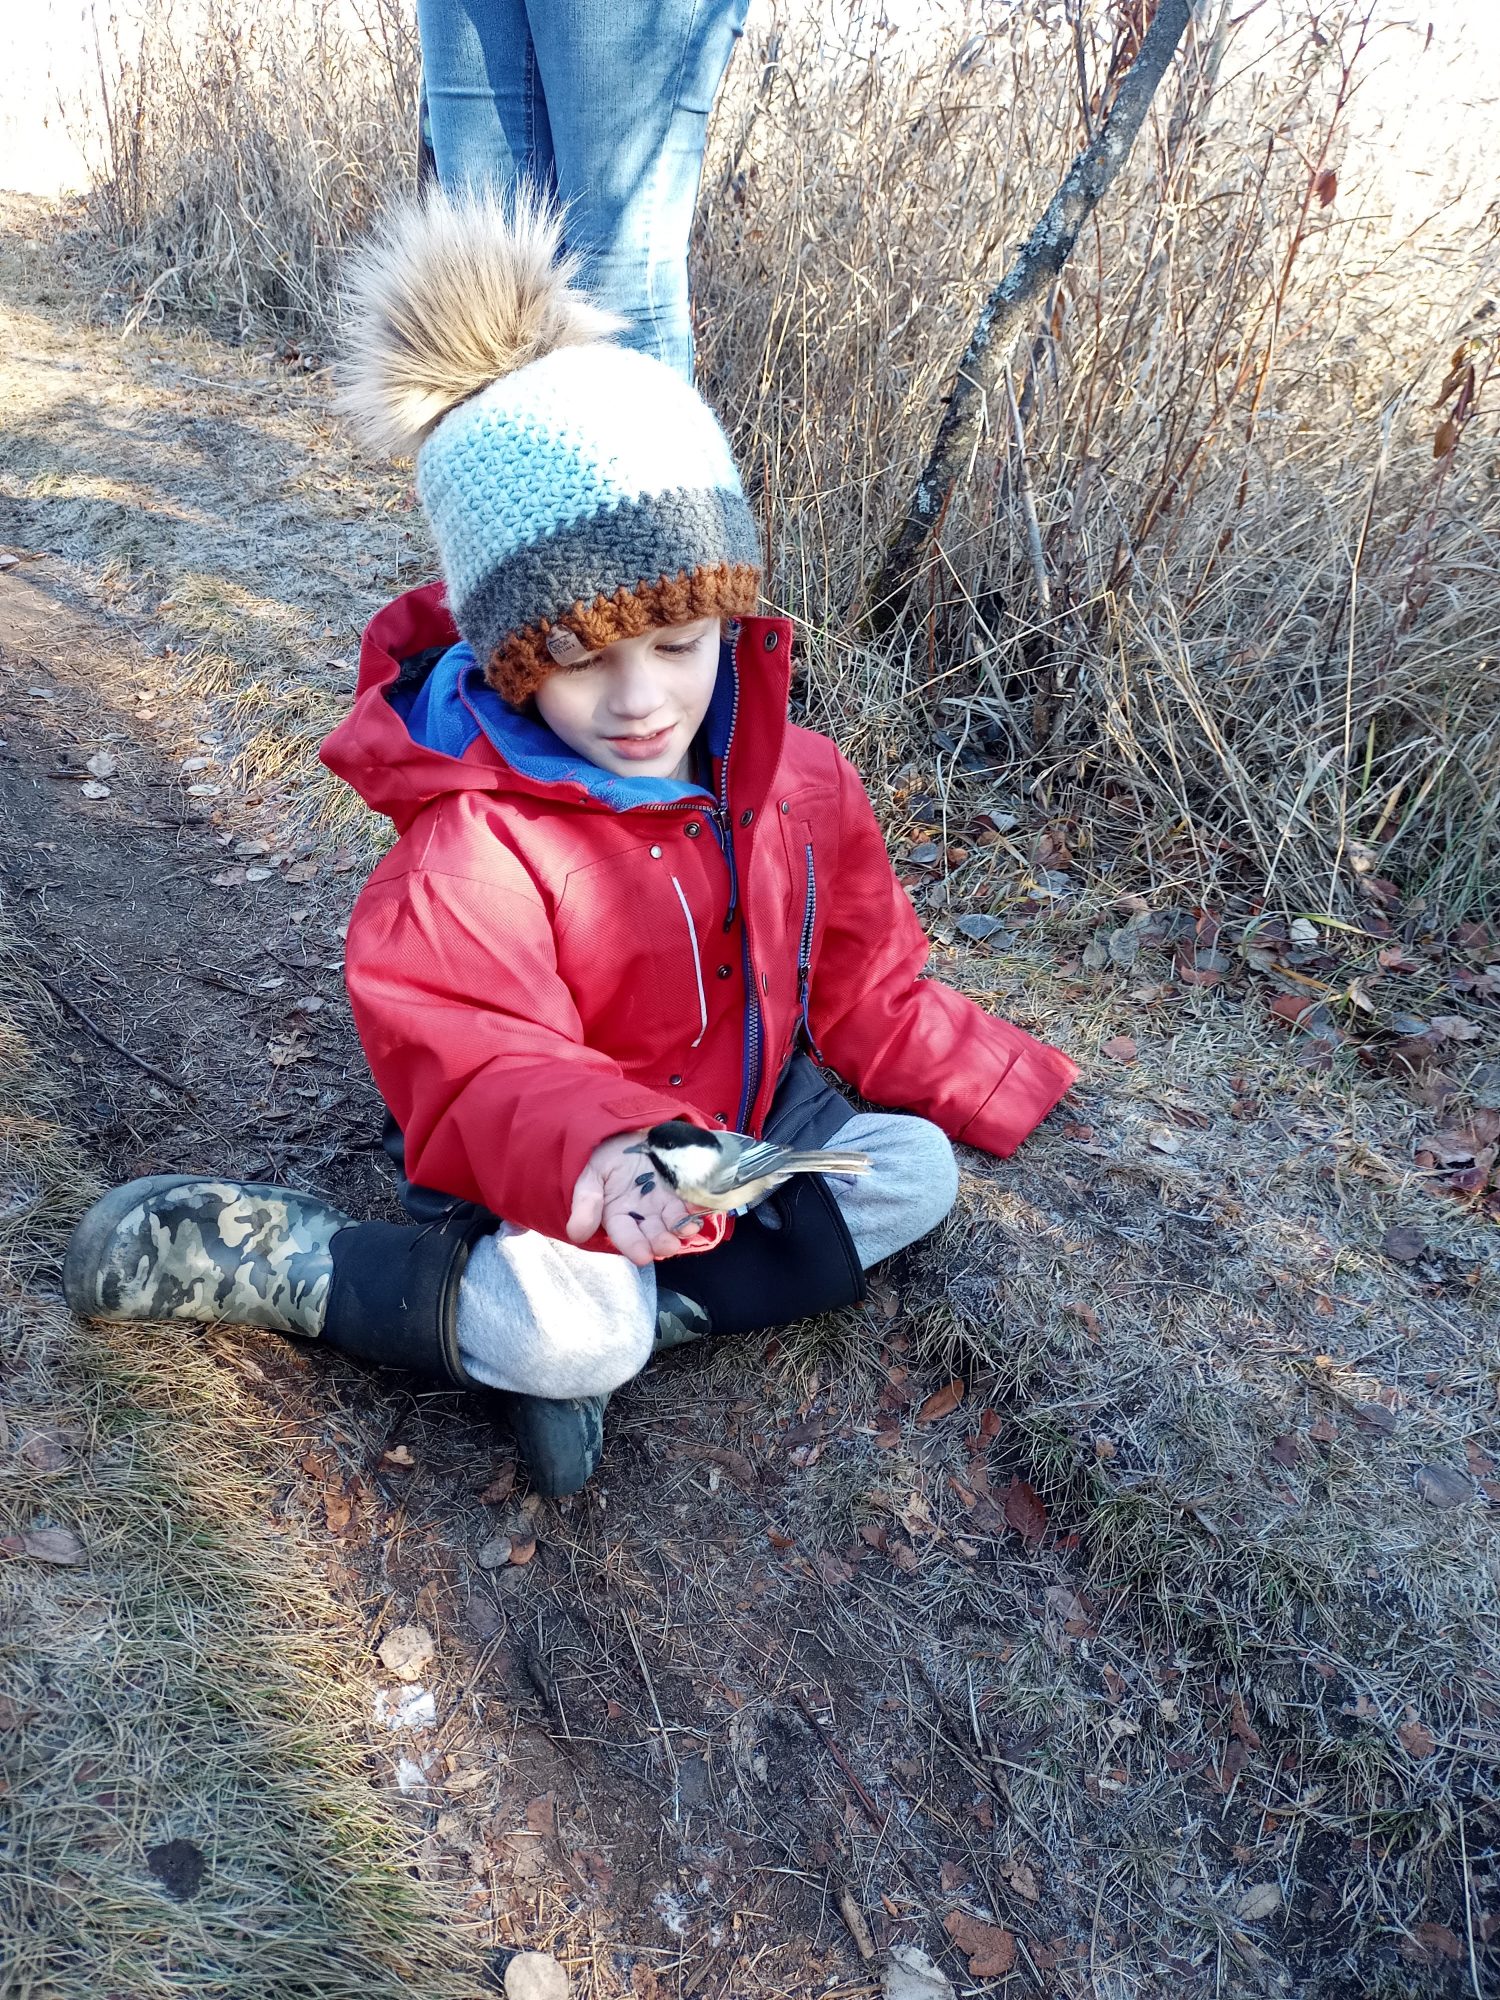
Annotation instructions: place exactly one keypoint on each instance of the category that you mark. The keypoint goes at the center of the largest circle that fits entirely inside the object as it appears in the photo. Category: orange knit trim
(517, 667)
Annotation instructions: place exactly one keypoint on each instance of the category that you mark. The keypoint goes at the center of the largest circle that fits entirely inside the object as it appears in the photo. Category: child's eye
(682, 645)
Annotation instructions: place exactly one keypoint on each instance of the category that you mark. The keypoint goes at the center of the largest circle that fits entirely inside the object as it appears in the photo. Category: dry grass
(1246, 643)
(190, 1678)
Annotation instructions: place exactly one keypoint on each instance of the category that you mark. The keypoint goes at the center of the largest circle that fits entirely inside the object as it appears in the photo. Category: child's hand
(621, 1191)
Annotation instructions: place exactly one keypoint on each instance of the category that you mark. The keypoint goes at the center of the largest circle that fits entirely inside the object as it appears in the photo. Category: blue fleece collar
(456, 703)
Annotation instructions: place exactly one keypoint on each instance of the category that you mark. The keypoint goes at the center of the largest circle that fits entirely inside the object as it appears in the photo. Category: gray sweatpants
(548, 1319)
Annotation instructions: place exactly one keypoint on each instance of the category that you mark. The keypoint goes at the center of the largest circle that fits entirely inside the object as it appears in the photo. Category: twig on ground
(103, 1035)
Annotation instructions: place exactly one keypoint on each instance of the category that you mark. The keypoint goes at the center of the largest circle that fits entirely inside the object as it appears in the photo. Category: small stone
(496, 1552)
(535, 1975)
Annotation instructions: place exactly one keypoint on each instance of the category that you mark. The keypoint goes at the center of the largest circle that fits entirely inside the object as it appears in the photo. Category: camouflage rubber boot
(181, 1246)
(678, 1320)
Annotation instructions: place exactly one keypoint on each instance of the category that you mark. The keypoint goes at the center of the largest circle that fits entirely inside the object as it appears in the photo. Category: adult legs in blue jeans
(602, 103)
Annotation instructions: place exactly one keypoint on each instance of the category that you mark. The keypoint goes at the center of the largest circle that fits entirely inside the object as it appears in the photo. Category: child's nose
(636, 689)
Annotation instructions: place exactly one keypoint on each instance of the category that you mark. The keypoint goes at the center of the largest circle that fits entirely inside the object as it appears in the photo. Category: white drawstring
(697, 966)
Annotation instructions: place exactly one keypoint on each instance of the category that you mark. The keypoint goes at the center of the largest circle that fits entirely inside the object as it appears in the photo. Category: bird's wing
(759, 1159)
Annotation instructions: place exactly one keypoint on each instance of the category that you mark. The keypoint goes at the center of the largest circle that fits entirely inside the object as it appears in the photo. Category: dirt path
(1074, 1612)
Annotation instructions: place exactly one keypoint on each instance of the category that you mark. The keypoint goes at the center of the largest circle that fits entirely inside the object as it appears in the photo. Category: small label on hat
(565, 647)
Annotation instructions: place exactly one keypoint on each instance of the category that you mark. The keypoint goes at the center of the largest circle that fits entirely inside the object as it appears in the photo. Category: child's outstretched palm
(620, 1192)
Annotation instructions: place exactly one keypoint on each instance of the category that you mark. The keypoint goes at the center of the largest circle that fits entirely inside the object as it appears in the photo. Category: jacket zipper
(804, 955)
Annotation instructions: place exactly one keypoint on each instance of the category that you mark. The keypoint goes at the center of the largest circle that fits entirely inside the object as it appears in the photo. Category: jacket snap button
(720, 1119)
(675, 1081)
(786, 805)
(724, 971)
(692, 829)
(771, 638)
(746, 817)
(656, 854)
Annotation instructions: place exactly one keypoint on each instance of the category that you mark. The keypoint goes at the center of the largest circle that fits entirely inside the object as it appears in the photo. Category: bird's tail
(824, 1162)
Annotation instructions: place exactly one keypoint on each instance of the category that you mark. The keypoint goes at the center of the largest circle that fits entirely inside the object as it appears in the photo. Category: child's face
(634, 707)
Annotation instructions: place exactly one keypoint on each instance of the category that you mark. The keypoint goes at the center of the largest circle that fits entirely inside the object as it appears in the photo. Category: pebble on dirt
(535, 1975)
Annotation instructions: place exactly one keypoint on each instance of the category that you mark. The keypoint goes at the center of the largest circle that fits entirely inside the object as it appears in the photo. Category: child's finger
(588, 1207)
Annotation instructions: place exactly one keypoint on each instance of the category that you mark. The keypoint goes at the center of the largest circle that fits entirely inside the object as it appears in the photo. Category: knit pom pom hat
(579, 492)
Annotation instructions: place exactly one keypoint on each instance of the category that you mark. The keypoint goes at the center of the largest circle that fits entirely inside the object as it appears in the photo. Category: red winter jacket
(533, 970)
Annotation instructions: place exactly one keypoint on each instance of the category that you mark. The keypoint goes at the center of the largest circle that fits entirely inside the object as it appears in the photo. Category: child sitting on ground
(626, 893)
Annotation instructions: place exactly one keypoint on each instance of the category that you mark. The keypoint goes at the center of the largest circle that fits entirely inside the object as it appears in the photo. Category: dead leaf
(1285, 1450)
(1443, 1485)
(337, 1508)
(541, 1816)
(300, 871)
(1416, 1739)
(45, 1545)
(1025, 1510)
(904, 1556)
(1454, 1028)
(1375, 1417)
(1163, 1139)
(1403, 1245)
(407, 1651)
(1070, 1611)
(1326, 186)
(910, 1974)
(991, 1950)
(1430, 1942)
(952, 1876)
(1240, 1724)
(1119, 1048)
(103, 764)
(501, 1486)
(1323, 1430)
(942, 1402)
(1022, 1878)
(1259, 1901)
(397, 1459)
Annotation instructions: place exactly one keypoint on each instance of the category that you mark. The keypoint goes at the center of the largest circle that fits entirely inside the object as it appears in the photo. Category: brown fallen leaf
(501, 1486)
(991, 1950)
(1119, 1048)
(1403, 1245)
(1285, 1450)
(1025, 1510)
(46, 1545)
(1443, 1485)
(397, 1459)
(1416, 1739)
(337, 1509)
(942, 1402)
(407, 1651)
(1022, 1878)
(1428, 1943)
(1323, 1430)
(1454, 1028)
(1240, 1724)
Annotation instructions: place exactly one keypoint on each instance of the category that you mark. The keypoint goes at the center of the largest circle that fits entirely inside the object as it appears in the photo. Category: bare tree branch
(977, 385)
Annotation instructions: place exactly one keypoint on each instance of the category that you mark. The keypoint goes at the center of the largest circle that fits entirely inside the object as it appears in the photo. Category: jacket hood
(426, 723)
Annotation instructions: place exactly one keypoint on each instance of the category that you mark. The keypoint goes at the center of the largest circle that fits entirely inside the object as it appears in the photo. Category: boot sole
(90, 1239)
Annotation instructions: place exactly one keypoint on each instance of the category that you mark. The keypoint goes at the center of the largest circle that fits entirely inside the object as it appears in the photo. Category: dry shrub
(241, 148)
(1228, 617)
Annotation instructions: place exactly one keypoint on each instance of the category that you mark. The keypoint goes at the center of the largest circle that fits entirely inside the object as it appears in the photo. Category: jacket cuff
(1038, 1078)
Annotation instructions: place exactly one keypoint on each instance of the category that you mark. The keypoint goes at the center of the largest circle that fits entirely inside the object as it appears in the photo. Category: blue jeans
(602, 103)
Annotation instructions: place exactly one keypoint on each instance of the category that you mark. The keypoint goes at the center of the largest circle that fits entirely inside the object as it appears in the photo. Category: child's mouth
(636, 749)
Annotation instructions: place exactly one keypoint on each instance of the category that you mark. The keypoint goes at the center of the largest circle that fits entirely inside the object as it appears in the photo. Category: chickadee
(729, 1171)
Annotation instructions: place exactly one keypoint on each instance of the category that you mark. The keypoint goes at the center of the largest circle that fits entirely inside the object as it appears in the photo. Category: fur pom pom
(450, 294)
